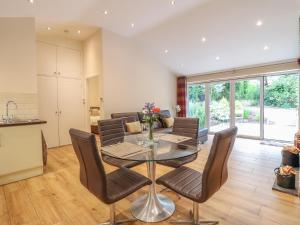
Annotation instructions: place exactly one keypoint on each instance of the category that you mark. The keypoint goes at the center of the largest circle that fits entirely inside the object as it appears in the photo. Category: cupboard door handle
(56, 112)
(59, 111)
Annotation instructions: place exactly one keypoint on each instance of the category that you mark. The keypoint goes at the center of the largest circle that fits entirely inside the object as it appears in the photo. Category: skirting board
(21, 175)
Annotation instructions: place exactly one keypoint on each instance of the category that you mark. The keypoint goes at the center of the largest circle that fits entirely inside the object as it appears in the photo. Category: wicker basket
(285, 181)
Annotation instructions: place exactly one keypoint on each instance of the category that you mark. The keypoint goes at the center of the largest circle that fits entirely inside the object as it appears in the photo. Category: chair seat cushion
(175, 163)
(184, 181)
(119, 162)
(124, 182)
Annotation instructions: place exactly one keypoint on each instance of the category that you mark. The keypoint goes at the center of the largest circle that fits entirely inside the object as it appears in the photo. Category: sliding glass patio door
(247, 111)
(196, 103)
(219, 107)
(264, 107)
(281, 102)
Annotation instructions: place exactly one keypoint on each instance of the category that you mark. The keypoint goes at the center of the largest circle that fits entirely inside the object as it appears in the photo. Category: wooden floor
(58, 198)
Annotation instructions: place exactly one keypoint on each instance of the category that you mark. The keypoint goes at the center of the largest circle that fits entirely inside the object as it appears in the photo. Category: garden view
(281, 96)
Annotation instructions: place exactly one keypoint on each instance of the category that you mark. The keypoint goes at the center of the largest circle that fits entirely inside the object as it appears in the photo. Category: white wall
(93, 97)
(17, 55)
(92, 55)
(131, 77)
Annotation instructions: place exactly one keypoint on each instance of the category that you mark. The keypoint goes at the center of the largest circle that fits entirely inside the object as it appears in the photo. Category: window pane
(196, 101)
(281, 100)
(247, 107)
(219, 106)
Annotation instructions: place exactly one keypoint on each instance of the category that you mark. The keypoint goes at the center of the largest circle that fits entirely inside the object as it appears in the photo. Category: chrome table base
(152, 207)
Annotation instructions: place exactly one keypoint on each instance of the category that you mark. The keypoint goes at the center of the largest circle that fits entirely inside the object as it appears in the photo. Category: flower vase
(150, 137)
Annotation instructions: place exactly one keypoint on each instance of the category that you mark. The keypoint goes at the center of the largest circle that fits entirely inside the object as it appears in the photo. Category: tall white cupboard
(60, 90)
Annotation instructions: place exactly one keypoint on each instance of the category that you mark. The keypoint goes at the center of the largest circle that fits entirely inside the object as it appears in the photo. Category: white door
(71, 107)
(46, 59)
(68, 62)
(47, 91)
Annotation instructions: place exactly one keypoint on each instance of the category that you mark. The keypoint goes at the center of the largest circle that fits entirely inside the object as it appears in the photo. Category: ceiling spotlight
(266, 47)
(31, 1)
(166, 51)
(78, 31)
(259, 23)
(203, 39)
(105, 12)
(218, 58)
(172, 2)
(132, 25)
(49, 28)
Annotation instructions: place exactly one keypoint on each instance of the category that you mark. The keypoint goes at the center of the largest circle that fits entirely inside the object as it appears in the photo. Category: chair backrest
(215, 173)
(111, 131)
(92, 172)
(188, 127)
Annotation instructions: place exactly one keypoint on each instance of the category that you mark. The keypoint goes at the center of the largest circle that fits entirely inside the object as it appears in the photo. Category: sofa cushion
(168, 122)
(134, 127)
(164, 114)
(126, 117)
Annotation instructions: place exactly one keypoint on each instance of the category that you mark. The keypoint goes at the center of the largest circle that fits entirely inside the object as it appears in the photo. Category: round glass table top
(160, 150)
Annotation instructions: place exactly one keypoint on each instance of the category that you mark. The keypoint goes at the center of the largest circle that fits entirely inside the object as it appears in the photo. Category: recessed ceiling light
(203, 39)
(31, 1)
(172, 2)
(166, 51)
(259, 23)
(79, 31)
(49, 28)
(105, 12)
(266, 47)
(218, 58)
(132, 25)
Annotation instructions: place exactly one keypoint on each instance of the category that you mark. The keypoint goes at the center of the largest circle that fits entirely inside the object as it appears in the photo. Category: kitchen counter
(21, 123)
(21, 152)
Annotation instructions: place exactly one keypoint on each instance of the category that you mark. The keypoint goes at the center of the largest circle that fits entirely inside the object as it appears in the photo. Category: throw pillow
(134, 127)
(169, 122)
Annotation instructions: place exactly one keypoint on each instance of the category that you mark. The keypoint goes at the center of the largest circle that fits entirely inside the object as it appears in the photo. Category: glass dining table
(155, 207)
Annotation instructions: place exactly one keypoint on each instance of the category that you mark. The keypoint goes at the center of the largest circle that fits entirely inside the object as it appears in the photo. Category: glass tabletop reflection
(159, 150)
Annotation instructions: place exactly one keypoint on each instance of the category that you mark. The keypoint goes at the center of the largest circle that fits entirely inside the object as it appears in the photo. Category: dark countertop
(22, 123)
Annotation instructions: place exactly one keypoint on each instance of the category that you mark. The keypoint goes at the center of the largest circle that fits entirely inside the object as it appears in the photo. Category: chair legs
(194, 214)
(113, 221)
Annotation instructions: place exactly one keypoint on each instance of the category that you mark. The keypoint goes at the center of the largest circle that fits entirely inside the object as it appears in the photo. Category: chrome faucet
(7, 106)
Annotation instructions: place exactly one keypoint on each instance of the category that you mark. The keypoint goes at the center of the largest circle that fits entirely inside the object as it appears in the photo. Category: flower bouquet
(150, 117)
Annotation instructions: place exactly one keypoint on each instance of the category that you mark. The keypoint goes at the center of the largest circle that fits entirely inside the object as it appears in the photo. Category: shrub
(246, 114)
(220, 110)
(197, 109)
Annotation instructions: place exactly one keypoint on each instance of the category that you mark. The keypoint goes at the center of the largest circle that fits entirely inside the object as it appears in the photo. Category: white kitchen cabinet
(21, 154)
(48, 108)
(53, 60)
(71, 108)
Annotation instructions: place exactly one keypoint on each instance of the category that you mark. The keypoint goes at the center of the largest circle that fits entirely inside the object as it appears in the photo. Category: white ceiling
(228, 26)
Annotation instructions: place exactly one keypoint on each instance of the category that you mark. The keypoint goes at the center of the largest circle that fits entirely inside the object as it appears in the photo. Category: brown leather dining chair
(199, 187)
(188, 127)
(111, 131)
(108, 188)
